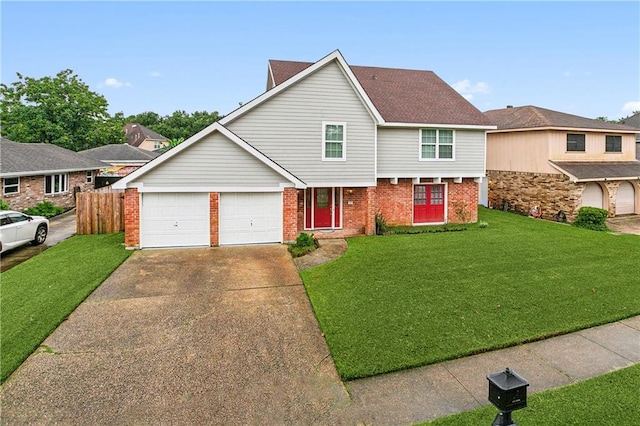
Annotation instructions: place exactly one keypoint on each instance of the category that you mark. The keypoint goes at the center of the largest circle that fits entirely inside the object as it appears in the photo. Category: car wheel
(41, 235)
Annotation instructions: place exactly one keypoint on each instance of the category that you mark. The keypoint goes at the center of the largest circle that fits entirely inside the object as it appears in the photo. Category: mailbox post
(508, 392)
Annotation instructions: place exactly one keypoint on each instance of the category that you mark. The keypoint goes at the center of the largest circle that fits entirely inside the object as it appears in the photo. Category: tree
(60, 110)
(178, 125)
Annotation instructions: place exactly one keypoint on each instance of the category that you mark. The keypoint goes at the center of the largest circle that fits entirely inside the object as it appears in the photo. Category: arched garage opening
(593, 196)
(626, 199)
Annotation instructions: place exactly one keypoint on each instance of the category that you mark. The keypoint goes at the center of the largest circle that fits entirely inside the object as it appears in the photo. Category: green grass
(611, 399)
(40, 293)
(400, 301)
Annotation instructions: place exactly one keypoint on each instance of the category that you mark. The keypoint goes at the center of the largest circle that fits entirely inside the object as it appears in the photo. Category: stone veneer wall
(522, 191)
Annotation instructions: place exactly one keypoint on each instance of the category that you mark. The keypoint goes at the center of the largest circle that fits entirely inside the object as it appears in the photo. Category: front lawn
(611, 399)
(40, 293)
(399, 301)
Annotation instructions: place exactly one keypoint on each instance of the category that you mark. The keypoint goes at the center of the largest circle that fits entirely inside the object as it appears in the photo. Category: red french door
(428, 204)
(322, 208)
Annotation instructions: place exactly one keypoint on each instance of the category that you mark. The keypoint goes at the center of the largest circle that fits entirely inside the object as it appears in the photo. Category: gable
(215, 161)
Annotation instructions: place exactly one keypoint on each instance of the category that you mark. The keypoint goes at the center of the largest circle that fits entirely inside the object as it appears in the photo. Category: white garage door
(250, 218)
(174, 220)
(592, 196)
(626, 199)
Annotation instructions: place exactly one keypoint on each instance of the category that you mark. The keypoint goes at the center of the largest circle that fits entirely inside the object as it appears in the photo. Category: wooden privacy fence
(99, 212)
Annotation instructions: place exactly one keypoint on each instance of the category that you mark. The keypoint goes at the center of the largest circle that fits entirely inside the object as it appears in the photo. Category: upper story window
(575, 142)
(613, 143)
(334, 138)
(157, 144)
(56, 184)
(89, 176)
(11, 186)
(436, 144)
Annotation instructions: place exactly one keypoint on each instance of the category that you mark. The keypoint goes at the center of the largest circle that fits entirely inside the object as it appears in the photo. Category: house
(634, 121)
(119, 159)
(560, 162)
(143, 138)
(35, 172)
(323, 150)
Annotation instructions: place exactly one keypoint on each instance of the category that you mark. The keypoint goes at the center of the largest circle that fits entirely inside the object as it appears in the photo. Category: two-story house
(323, 150)
(560, 162)
(141, 137)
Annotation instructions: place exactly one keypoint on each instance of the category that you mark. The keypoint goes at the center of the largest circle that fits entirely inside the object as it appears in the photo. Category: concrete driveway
(625, 224)
(194, 336)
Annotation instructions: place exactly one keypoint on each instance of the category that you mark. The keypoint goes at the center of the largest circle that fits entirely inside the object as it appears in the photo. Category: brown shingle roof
(401, 96)
(136, 134)
(528, 117)
(598, 170)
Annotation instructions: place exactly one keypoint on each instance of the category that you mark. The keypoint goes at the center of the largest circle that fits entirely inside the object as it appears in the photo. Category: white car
(18, 228)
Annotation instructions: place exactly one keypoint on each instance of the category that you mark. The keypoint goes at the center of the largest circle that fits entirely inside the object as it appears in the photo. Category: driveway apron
(191, 336)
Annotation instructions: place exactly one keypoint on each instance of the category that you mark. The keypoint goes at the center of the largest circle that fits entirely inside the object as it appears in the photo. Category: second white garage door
(250, 218)
(625, 200)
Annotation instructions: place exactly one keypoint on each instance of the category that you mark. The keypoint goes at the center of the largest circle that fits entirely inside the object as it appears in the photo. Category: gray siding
(216, 161)
(288, 129)
(398, 155)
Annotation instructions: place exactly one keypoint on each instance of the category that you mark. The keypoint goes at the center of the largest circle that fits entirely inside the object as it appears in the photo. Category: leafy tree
(178, 125)
(60, 110)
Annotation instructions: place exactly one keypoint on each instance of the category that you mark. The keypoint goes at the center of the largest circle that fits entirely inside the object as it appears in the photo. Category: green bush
(46, 209)
(305, 243)
(4, 205)
(592, 218)
(381, 225)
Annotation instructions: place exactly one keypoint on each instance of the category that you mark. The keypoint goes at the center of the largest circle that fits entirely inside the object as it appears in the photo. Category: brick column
(372, 208)
(289, 214)
(214, 227)
(131, 218)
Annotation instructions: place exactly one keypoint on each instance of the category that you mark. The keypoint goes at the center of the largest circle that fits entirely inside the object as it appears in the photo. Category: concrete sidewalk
(425, 393)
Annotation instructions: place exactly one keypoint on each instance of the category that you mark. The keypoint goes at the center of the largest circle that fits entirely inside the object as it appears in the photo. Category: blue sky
(577, 57)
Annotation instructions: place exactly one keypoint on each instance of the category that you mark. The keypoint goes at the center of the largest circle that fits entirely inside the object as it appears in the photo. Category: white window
(334, 137)
(11, 186)
(436, 144)
(56, 184)
(89, 176)
(157, 144)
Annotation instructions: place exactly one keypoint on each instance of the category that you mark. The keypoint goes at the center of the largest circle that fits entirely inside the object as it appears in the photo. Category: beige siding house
(560, 162)
(143, 138)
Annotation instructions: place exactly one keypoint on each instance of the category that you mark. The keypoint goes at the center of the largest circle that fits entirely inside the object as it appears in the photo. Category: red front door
(322, 206)
(428, 204)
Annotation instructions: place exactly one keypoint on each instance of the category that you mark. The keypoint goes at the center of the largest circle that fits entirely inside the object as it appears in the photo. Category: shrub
(4, 205)
(381, 225)
(305, 243)
(592, 218)
(46, 209)
(483, 224)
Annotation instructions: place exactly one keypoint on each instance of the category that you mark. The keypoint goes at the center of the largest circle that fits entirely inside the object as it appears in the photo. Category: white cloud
(112, 82)
(467, 89)
(631, 106)
(155, 74)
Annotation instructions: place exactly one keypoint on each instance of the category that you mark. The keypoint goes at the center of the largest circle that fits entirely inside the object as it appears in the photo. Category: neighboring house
(560, 162)
(35, 172)
(119, 159)
(323, 150)
(143, 138)
(634, 121)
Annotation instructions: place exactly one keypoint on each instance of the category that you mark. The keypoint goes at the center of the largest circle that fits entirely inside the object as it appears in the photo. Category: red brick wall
(462, 201)
(32, 192)
(290, 214)
(131, 218)
(355, 207)
(395, 202)
(214, 227)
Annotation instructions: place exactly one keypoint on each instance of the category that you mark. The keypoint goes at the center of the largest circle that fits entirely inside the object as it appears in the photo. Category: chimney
(509, 106)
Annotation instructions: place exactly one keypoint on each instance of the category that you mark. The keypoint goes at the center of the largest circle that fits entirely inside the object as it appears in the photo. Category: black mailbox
(507, 390)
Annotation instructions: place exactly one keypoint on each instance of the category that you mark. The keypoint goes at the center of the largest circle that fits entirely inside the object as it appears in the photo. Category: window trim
(605, 144)
(53, 177)
(89, 176)
(324, 141)
(437, 157)
(584, 142)
(5, 186)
